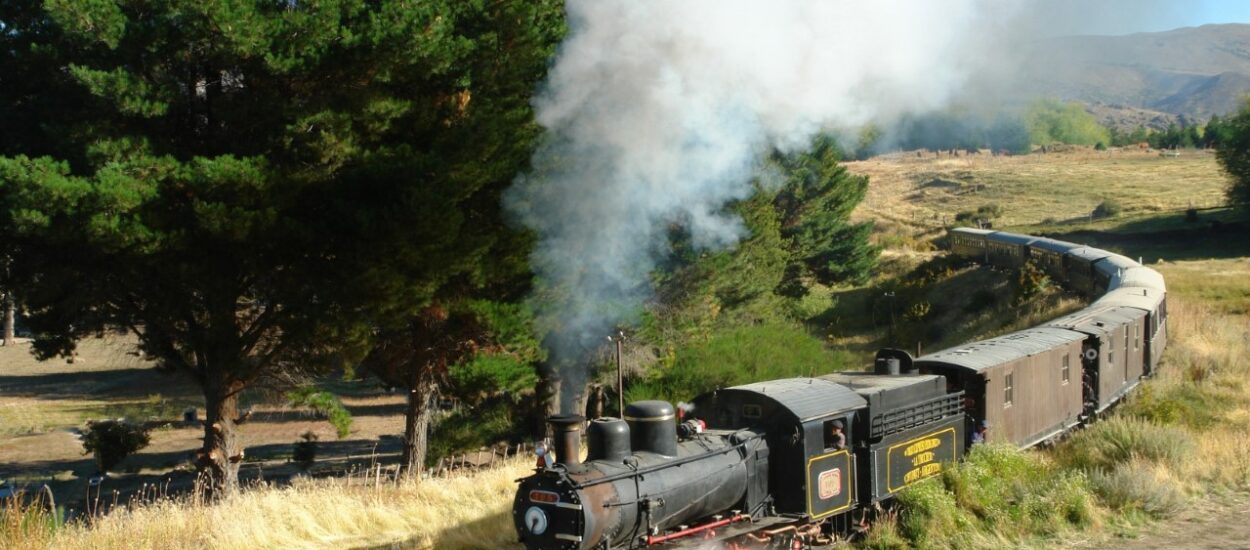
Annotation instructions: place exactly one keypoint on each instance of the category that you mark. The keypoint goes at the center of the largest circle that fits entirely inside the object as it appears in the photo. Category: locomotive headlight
(536, 520)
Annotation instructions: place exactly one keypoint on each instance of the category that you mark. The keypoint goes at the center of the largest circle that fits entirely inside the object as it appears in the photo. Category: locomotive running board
(728, 532)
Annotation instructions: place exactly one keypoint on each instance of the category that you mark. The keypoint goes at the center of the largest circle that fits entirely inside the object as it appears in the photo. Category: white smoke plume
(659, 113)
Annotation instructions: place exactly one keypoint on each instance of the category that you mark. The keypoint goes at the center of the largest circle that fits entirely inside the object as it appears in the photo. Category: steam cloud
(659, 112)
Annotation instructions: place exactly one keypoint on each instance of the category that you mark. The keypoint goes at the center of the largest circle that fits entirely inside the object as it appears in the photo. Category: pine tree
(815, 206)
(258, 188)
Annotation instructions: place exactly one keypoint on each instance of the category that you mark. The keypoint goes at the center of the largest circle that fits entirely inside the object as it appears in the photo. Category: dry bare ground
(44, 404)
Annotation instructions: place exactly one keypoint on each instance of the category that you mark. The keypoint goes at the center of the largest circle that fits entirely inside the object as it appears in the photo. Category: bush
(1136, 485)
(1191, 215)
(1108, 208)
(111, 441)
(1031, 281)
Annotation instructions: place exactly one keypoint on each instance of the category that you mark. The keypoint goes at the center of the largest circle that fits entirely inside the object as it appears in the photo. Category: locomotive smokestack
(566, 433)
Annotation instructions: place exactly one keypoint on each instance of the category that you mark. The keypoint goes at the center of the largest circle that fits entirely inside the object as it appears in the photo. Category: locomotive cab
(807, 477)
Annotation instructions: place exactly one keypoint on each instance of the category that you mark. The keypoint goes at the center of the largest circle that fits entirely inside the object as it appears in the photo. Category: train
(794, 462)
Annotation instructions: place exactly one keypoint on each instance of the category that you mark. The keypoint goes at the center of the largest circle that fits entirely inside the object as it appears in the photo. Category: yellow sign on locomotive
(915, 459)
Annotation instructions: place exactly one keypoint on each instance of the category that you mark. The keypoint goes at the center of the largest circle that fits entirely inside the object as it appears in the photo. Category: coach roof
(1011, 238)
(994, 352)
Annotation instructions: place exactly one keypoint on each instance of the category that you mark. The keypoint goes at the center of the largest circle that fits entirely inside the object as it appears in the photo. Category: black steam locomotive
(801, 458)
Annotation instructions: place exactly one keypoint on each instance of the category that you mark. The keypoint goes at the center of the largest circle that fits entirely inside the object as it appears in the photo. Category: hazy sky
(1067, 17)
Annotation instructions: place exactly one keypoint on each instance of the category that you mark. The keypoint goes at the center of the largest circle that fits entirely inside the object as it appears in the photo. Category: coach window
(1007, 390)
(1136, 337)
(1067, 370)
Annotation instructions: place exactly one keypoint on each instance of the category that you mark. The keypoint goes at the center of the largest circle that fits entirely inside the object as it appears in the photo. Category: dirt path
(1220, 523)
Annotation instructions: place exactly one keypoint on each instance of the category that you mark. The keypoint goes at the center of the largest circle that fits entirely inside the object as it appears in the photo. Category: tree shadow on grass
(492, 531)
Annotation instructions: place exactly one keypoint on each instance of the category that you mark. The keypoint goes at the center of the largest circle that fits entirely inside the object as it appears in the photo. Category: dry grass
(908, 195)
(462, 511)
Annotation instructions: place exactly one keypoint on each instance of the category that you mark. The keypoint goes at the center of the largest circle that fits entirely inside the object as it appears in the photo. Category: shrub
(1031, 282)
(111, 441)
(1191, 215)
(1100, 146)
(1108, 208)
(1136, 485)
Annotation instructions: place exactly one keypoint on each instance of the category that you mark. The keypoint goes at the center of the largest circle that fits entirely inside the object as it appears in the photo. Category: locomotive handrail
(662, 465)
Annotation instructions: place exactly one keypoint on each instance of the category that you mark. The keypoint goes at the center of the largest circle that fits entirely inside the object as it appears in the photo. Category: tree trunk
(421, 404)
(548, 397)
(10, 315)
(222, 452)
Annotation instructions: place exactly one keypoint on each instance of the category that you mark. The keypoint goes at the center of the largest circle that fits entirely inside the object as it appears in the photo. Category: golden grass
(462, 511)
(907, 193)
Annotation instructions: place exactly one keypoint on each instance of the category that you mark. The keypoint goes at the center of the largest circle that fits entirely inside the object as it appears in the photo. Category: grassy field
(1183, 439)
(912, 195)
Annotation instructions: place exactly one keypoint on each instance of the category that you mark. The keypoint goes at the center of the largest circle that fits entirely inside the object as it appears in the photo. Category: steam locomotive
(792, 461)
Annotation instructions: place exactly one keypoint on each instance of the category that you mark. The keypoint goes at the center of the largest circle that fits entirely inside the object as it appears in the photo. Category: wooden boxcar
(1027, 384)
(1155, 304)
(1113, 356)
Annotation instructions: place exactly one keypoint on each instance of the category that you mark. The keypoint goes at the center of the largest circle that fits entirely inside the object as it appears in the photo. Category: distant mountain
(1185, 74)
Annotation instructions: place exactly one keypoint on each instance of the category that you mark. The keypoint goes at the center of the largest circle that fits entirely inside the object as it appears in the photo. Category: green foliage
(1031, 281)
(111, 441)
(1052, 121)
(506, 364)
(997, 493)
(487, 375)
(473, 428)
(735, 356)
(815, 205)
(326, 405)
(270, 184)
(1186, 404)
(957, 129)
(1233, 152)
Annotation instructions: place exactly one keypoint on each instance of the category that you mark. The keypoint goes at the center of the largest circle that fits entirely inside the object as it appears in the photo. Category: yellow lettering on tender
(922, 458)
(922, 446)
(922, 472)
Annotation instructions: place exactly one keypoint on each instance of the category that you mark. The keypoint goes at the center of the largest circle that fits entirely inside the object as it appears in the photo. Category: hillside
(1190, 73)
